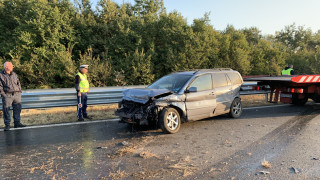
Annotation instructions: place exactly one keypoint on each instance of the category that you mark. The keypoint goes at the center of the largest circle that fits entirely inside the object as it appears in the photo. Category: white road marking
(261, 107)
(64, 124)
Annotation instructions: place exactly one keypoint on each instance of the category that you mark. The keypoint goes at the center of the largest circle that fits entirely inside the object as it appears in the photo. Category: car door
(202, 102)
(223, 91)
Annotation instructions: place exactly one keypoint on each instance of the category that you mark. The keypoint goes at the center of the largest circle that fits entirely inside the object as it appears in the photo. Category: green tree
(100, 70)
(138, 69)
(234, 51)
(295, 38)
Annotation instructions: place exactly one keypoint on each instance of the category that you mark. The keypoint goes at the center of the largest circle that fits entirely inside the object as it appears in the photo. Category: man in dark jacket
(10, 90)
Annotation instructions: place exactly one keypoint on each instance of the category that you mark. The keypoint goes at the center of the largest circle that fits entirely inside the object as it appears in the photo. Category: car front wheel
(236, 108)
(170, 121)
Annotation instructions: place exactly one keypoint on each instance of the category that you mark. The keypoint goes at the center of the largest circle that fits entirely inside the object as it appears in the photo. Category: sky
(268, 16)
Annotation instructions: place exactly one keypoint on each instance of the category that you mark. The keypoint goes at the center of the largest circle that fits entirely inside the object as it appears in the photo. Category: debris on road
(99, 147)
(315, 158)
(264, 172)
(146, 155)
(118, 174)
(295, 170)
(183, 165)
(124, 143)
(227, 142)
(266, 164)
(187, 173)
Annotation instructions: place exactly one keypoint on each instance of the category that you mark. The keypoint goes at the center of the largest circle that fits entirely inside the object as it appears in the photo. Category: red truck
(295, 89)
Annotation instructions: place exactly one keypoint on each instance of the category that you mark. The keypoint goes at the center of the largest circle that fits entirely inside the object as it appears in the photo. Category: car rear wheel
(170, 121)
(236, 108)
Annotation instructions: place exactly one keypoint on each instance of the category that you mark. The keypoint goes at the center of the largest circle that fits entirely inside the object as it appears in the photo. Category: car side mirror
(191, 89)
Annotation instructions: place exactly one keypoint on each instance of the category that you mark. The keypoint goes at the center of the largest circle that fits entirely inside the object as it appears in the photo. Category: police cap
(84, 66)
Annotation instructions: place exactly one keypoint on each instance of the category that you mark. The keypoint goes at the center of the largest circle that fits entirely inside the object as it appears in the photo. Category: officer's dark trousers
(14, 100)
(83, 110)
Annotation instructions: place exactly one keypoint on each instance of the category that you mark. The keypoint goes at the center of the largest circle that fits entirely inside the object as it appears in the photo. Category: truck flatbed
(295, 89)
(288, 79)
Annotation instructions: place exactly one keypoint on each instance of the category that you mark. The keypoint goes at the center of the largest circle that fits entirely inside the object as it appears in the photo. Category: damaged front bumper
(138, 113)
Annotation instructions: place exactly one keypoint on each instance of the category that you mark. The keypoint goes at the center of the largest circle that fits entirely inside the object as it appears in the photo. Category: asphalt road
(286, 138)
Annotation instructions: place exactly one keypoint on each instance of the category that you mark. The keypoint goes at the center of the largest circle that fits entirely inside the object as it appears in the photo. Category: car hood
(143, 95)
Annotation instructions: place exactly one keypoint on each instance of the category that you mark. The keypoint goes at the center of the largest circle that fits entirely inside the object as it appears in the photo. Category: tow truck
(294, 89)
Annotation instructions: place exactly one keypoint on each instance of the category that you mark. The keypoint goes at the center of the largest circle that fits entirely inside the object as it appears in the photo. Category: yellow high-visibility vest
(286, 72)
(84, 83)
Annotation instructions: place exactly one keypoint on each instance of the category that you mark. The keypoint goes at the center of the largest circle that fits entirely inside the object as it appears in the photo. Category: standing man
(10, 90)
(288, 70)
(82, 87)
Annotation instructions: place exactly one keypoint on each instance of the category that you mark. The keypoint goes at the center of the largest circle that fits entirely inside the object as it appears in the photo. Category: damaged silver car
(181, 97)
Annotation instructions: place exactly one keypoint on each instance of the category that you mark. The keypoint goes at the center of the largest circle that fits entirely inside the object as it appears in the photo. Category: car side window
(219, 80)
(235, 78)
(202, 83)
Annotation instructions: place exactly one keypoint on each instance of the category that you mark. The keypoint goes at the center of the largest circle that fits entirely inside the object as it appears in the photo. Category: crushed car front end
(137, 113)
(138, 106)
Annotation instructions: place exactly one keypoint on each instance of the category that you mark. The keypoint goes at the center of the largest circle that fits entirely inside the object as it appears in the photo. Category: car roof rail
(214, 69)
(204, 70)
(223, 69)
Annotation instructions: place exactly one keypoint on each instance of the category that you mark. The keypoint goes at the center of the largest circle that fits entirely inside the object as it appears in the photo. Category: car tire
(316, 98)
(169, 120)
(298, 102)
(236, 108)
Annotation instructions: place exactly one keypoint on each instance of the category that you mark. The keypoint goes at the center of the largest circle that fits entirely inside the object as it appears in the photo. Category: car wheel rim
(237, 108)
(172, 121)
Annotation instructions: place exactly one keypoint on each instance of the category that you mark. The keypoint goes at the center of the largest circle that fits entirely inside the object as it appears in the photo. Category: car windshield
(172, 82)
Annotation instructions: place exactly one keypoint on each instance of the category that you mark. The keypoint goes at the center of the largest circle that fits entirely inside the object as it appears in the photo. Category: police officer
(82, 87)
(288, 70)
(10, 90)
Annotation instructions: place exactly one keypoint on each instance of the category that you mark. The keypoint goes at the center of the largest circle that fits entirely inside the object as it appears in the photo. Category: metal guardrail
(46, 98)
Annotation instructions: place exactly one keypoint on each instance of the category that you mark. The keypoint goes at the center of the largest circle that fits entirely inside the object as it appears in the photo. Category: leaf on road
(118, 174)
(32, 170)
(187, 173)
(266, 164)
(146, 155)
(182, 165)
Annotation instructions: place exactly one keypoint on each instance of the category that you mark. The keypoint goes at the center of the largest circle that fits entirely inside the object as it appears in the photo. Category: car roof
(201, 71)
